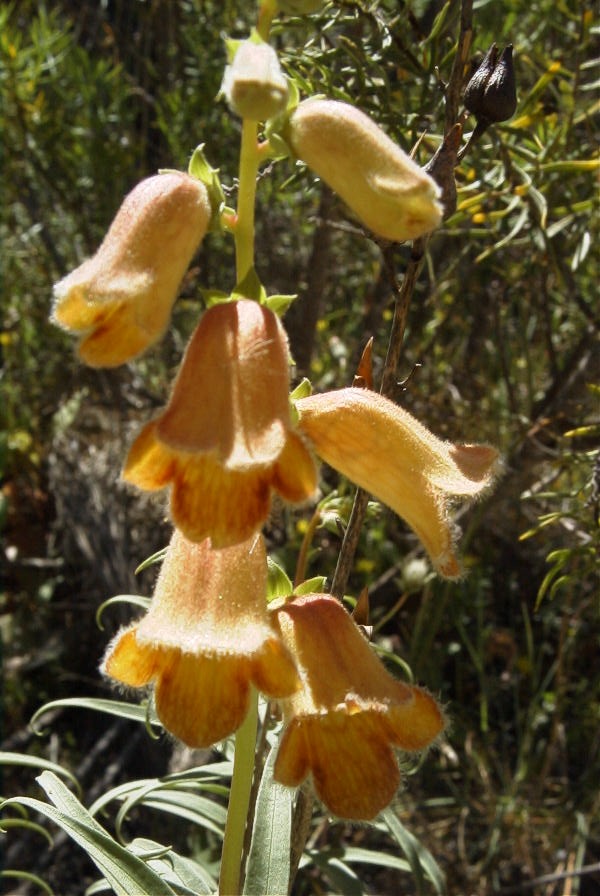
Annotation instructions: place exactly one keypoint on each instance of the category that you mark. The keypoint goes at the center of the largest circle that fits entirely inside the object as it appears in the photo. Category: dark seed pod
(491, 94)
(475, 89)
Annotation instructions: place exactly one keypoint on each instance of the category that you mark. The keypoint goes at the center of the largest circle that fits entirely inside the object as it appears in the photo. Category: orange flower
(119, 301)
(205, 640)
(345, 722)
(383, 449)
(225, 439)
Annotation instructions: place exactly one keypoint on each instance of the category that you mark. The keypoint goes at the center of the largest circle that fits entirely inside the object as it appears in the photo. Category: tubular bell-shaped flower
(119, 301)
(386, 451)
(205, 640)
(350, 715)
(225, 439)
(382, 185)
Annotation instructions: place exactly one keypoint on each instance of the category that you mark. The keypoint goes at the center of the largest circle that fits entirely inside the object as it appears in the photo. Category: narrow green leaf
(375, 857)
(419, 857)
(268, 869)
(135, 712)
(438, 23)
(7, 823)
(195, 809)
(135, 600)
(187, 877)
(573, 165)
(157, 557)
(342, 877)
(125, 873)
(31, 878)
(38, 763)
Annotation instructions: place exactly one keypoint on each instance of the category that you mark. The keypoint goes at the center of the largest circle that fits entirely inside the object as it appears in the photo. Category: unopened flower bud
(491, 94)
(380, 183)
(253, 84)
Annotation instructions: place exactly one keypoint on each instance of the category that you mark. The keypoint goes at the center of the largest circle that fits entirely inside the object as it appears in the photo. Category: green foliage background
(502, 345)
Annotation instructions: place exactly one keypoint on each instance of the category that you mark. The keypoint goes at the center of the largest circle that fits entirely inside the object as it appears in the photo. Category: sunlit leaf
(420, 859)
(125, 872)
(37, 763)
(133, 711)
(268, 869)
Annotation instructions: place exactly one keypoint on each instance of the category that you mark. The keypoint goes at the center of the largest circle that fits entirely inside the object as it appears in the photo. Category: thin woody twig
(550, 879)
(389, 384)
(455, 84)
(404, 293)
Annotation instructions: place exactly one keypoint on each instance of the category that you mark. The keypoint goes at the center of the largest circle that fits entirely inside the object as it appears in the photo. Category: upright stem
(239, 800)
(245, 740)
(250, 157)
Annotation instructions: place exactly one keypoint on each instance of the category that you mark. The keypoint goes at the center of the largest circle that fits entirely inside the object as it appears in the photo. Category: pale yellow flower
(348, 718)
(225, 440)
(386, 451)
(382, 185)
(120, 300)
(254, 84)
(205, 640)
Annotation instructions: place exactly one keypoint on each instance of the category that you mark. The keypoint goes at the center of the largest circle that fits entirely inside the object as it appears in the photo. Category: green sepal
(316, 585)
(279, 304)
(250, 287)
(200, 168)
(302, 390)
(278, 582)
(212, 297)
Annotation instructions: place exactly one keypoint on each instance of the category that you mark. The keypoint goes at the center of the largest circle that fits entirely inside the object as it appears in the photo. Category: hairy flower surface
(254, 84)
(119, 301)
(225, 440)
(382, 185)
(386, 451)
(350, 715)
(205, 640)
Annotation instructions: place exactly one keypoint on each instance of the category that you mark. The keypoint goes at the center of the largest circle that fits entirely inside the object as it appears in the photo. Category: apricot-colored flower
(225, 440)
(382, 185)
(119, 301)
(383, 449)
(350, 715)
(205, 640)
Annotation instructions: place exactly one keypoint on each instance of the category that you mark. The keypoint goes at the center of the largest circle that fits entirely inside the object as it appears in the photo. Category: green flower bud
(385, 189)
(253, 84)
(491, 94)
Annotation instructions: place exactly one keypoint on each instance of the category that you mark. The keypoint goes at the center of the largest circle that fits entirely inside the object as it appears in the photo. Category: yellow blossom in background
(120, 300)
(382, 185)
(385, 450)
(205, 640)
(225, 440)
(350, 715)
